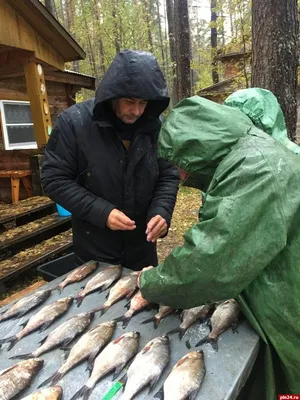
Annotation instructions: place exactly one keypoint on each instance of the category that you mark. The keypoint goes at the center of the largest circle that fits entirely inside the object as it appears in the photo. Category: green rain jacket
(247, 244)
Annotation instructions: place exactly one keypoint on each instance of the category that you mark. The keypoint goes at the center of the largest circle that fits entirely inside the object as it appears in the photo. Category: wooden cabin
(34, 88)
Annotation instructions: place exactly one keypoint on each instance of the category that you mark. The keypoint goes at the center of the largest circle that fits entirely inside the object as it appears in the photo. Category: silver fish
(15, 379)
(78, 274)
(190, 316)
(147, 367)
(62, 335)
(114, 357)
(137, 304)
(86, 348)
(100, 282)
(51, 393)
(40, 320)
(24, 305)
(225, 316)
(162, 312)
(185, 379)
(125, 287)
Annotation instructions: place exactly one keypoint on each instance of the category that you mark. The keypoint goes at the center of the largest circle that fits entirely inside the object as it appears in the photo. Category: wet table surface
(226, 370)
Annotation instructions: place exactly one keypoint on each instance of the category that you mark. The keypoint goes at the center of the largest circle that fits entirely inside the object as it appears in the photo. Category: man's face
(128, 110)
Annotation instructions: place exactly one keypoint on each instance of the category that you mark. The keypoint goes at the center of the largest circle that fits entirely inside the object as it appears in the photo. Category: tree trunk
(214, 41)
(99, 39)
(172, 41)
(63, 14)
(161, 39)
(147, 13)
(275, 53)
(116, 28)
(181, 18)
(90, 51)
(50, 5)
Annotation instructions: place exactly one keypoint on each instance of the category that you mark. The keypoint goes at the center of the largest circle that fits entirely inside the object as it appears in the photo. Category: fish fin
(132, 293)
(79, 300)
(188, 344)
(160, 394)
(59, 289)
(45, 326)
(202, 341)
(118, 370)
(106, 297)
(146, 321)
(66, 342)
(125, 320)
(53, 379)
(13, 340)
(193, 395)
(84, 392)
(181, 333)
(23, 324)
(101, 309)
(153, 382)
(66, 351)
(43, 340)
(90, 361)
(21, 356)
(178, 329)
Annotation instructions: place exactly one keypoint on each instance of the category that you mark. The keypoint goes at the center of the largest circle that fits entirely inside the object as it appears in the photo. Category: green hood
(262, 107)
(198, 134)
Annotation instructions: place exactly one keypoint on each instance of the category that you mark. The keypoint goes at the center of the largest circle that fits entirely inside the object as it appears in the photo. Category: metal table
(226, 370)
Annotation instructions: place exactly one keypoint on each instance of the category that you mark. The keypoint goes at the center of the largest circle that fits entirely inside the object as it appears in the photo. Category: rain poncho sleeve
(236, 239)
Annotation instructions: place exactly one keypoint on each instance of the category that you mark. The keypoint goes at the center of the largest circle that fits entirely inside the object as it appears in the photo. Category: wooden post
(37, 93)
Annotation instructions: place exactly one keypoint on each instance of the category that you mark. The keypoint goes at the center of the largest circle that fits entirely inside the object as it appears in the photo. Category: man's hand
(140, 273)
(156, 227)
(118, 221)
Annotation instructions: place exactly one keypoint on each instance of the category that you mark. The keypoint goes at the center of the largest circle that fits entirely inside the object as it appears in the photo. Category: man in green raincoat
(247, 244)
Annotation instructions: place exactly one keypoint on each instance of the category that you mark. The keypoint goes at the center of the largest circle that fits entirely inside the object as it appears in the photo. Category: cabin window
(18, 131)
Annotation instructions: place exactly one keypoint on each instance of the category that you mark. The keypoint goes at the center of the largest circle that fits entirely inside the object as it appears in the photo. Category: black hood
(134, 74)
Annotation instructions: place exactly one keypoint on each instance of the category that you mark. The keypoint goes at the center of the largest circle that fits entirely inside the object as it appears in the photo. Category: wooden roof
(43, 23)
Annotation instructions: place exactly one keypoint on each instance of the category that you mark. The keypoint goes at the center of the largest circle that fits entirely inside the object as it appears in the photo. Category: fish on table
(124, 288)
(18, 377)
(62, 335)
(190, 316)
(162, 313)
(100, 282)
(24, 305)
(78, 274)
(86, 348)
(225, 316)
(185, 378)
(115, 356)
(51, 393)
(137, 304)
(41, 320)
(147, 367)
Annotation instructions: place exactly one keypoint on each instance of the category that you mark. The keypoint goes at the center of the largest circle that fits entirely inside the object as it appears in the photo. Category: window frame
(15, 146)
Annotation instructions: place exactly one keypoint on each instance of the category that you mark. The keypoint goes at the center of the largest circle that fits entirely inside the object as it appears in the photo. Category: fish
(162, 312)
(41, 320)
(137, 304)
(190, 316)
(62, 335)
(125, 287)
(99, 282)
(147, 367)
(78, 274)
(16, 378)
(86, 348)
(51, 393)
(185, 378)
(225, 316)
(116, 355)
(24, 305)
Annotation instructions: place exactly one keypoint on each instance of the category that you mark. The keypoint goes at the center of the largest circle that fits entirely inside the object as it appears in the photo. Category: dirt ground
(185, 215)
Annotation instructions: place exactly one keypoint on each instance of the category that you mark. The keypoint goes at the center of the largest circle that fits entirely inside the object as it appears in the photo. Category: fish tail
(209, 339)
(22, 356)
(12, 339)
(53, 379)
(59, 288)
(153, 319)
(125, 320)
(160, 394)
(79, 299)
(84, 392)
(101, 309)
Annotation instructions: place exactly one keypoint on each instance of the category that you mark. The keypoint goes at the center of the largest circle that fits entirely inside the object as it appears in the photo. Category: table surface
(226, 370)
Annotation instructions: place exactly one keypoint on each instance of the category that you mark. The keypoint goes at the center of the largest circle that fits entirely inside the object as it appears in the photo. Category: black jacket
(88, 171)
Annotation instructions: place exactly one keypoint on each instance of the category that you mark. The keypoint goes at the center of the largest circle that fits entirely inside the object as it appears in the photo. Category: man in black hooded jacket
(101, 164)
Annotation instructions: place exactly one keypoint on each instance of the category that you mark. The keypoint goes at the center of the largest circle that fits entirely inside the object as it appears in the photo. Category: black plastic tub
(58, 267)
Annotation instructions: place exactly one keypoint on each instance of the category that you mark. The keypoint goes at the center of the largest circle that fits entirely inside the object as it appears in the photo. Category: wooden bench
(15, 177)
